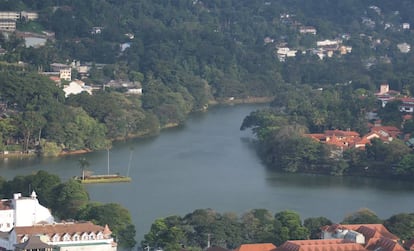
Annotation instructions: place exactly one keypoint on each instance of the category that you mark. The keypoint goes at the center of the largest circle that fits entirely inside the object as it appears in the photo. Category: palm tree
(83, 163)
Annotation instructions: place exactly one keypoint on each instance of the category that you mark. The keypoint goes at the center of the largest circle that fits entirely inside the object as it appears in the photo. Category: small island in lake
(103, 178)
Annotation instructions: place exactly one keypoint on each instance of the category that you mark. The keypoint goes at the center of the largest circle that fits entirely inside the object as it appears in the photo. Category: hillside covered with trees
(186, 54)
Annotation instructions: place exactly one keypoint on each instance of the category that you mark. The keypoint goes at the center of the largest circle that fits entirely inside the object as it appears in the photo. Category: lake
(210, 163)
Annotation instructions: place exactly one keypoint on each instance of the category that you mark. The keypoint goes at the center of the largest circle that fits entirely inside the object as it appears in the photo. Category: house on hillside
(338, 138)
(76, 87)
(307, 30)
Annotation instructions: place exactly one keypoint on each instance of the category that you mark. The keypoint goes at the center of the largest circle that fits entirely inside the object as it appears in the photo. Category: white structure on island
(22, 211)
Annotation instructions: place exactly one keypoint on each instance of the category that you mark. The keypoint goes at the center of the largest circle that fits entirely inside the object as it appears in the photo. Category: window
(66, 237)
(92, 236)
(85, 237)
(56, 238)
(99, 236)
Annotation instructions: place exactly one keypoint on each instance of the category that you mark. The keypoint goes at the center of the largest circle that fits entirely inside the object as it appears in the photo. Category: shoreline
(212, 102)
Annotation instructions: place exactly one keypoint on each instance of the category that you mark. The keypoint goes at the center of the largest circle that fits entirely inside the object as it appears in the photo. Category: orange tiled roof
(59, 228)
(385, 244)
(256, 247)
(339, 138)
(391, 130)
(372, 231)
(342, 133)
(321, 245)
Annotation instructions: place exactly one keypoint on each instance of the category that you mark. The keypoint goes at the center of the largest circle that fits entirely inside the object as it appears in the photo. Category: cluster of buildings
(27, 225)
(366, 237)
(346, 139)
(343, 140)
(8, 19)
(386, 95)
(324, 48)
(61, 74)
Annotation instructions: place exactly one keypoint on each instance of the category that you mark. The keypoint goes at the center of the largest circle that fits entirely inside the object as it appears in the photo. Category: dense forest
(186, 54)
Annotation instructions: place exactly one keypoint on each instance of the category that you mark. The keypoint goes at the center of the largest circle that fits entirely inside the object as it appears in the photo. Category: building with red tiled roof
(321, 245)
(73, 235)
(387, 131)
(376, 236)
(338, 138)
(372, 230)
(256, 247)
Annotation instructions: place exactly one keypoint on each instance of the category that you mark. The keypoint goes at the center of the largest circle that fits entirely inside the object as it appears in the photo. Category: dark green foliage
(314, 226)
(362, 216)
(115, 216)
(402, 225)
(68, 197)
(41, 182)
(288, 226)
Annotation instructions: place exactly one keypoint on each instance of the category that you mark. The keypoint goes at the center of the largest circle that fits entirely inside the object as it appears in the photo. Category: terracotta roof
(58, 228)
(391, 130)
(385, 244)
(342, 133)
(256, 247)
(372, 231)
(321, 245)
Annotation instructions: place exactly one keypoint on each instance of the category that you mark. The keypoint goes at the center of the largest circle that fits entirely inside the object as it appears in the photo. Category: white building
(7, 25)
(76, 87)
(6, 215)
(68, 236)
(404, 47)
(12, 15)
(27, 225)
(65, 74)
(406, 26)
(328, 42)
(22, 211)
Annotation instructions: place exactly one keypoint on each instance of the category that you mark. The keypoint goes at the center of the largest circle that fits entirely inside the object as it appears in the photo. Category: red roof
(341, 133)
(372, 230)
(321, 245)
(256, 247)
(60, 229)
(391, 130)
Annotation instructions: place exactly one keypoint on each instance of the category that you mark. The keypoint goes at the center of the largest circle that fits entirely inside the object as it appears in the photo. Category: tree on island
(83, 163)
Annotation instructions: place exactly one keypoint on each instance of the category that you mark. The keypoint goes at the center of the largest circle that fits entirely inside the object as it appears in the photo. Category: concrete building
(22, 211)
(27, 225)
